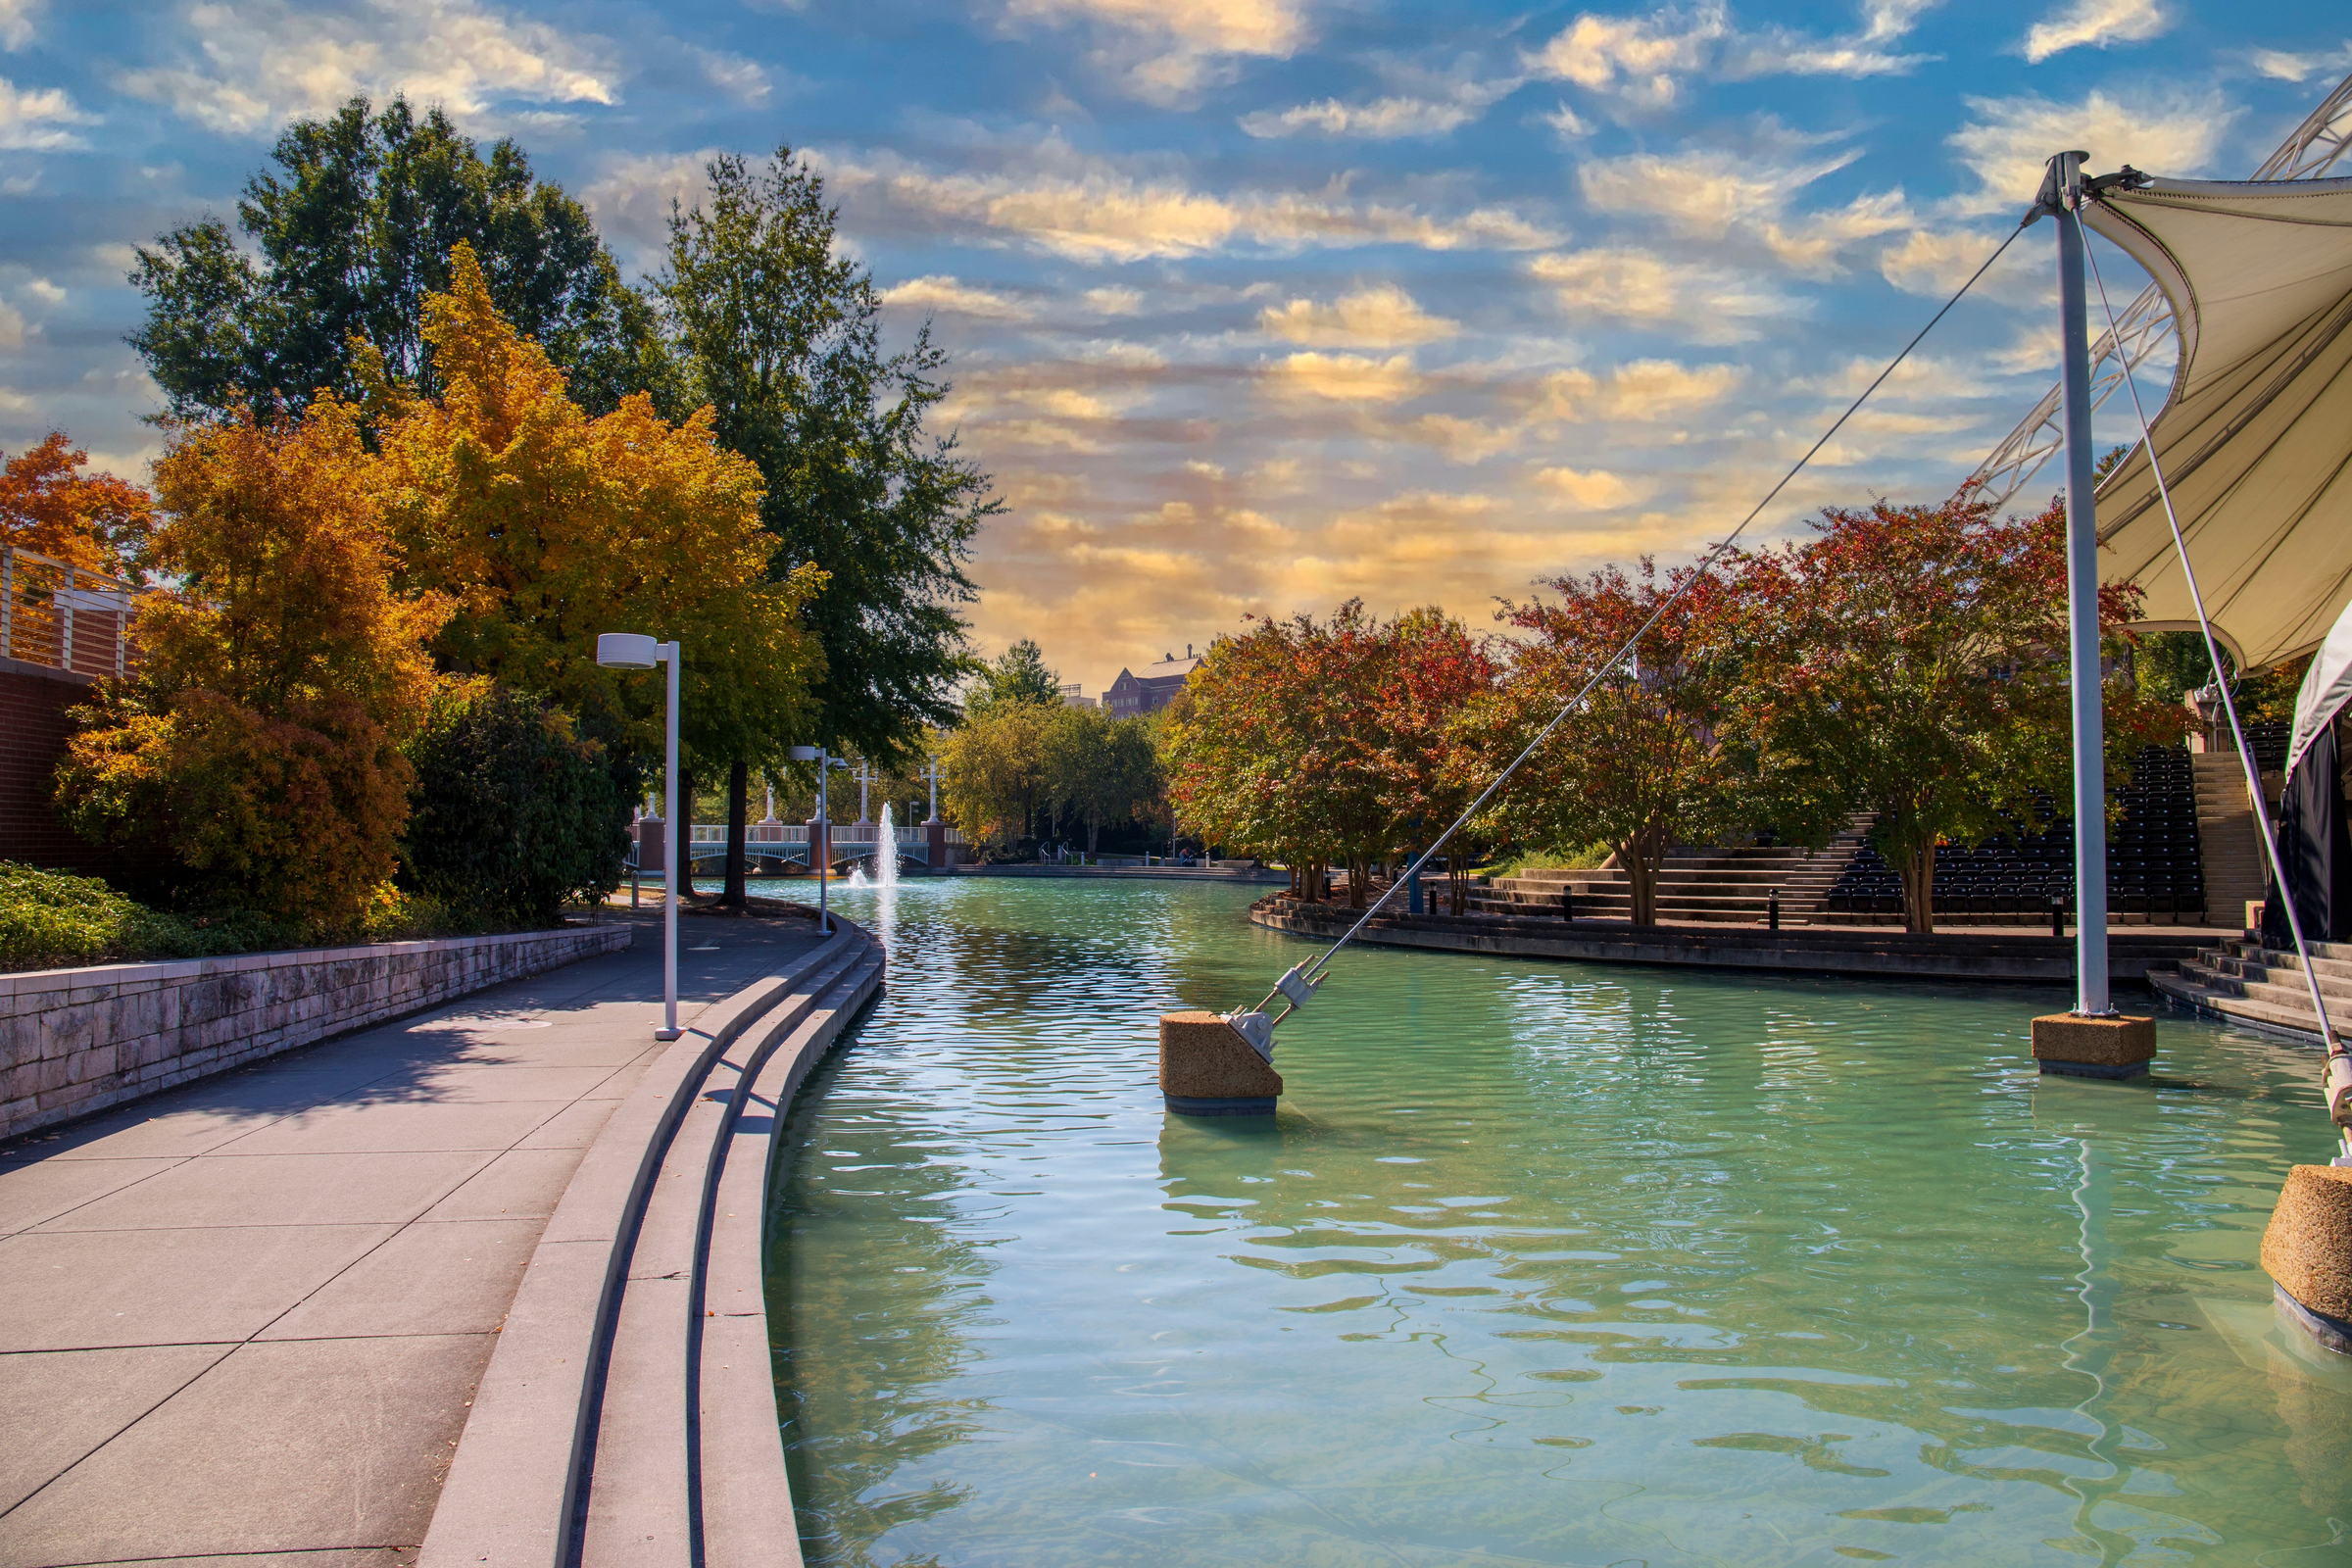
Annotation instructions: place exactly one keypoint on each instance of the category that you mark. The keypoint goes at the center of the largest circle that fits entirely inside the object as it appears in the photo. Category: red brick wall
(33, 727)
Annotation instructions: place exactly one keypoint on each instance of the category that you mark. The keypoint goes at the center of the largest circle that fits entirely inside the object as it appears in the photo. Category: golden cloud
(1382, 316)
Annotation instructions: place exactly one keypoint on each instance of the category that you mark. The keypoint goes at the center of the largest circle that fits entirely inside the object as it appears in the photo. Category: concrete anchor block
(2076, 1047)
(2307, 1251)
(1206, 1069)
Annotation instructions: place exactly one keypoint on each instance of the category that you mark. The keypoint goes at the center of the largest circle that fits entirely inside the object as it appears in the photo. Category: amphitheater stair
(2248, 983)
(2226, 836)
(1724, 886)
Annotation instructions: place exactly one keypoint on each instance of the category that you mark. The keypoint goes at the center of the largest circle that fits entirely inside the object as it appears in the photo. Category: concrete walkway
(245, 1319)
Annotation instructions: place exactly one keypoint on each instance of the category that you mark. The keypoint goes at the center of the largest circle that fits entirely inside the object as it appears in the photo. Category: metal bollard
(2057, 915)
(1568, 901)
(1771, 910)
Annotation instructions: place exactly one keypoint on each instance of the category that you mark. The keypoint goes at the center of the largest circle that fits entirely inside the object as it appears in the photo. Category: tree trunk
(1094, 832)
(1643, 856)
(739, 812)
(1359, 871)
(1919, 888)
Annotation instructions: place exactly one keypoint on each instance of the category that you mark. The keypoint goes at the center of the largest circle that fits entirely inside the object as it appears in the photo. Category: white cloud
(2095, 21)
(1934, 263)
(2010, 140)
(266, 61)
(1114, 301)
(1166, 51)
(1092, 210)
(48, 293)
(744, 80)
(1594, 490)
(1712, 194)
(1891, 18)
(1384, 316)
(35, 119)
(1346, 377)
(943, 293)
(1645, 59)
(12, 326)
(1568, 123)
(1713, 304)
(2280, 65)
(1637, 391)
(631, 198)
(1382, 119)
(19, 20)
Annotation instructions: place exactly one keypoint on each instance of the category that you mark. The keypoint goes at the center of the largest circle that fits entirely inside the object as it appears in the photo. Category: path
(246, 1318)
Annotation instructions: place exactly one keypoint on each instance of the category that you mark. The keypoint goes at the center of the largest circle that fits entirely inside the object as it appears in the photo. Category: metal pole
(2083, 604)
(824, 830)
(669, 863)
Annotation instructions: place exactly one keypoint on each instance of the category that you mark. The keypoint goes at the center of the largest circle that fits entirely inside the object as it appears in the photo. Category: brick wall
(73, 1041)
(33, 727)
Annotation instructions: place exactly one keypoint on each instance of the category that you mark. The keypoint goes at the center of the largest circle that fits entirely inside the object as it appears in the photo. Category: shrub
(53, 920)
(513, 813)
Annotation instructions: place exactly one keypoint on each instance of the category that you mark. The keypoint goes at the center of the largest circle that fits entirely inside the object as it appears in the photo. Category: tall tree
(547, 527)
(94, 521)
(1100, 769)
(354, 229)
(996, 772)
(1019, 675)
(780, 336)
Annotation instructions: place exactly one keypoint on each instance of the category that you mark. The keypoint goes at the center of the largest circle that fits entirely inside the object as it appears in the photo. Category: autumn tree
(545, 527)
(1636, 764)
(354, 228)
(1910, 661)
(1433, 670)
(93, 522)
(1017, 676)
(260, 735)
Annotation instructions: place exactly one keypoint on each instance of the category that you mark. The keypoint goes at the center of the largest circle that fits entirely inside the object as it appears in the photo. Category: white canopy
(2256, 439)
(2326, 688)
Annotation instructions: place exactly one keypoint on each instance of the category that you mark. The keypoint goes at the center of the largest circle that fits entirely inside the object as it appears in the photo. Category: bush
(54, 920)
(513, 813)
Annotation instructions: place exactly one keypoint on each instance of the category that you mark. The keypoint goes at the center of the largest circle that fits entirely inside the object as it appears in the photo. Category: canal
(1537, 1264)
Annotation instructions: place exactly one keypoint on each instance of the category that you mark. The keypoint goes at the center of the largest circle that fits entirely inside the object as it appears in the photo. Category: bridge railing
(65, 617)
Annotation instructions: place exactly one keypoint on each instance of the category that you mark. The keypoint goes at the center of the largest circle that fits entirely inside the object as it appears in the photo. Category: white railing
(843, 834)
(65, 617)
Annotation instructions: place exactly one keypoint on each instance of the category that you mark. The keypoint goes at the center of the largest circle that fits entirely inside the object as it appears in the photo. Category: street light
(825, 762)
(629, 650)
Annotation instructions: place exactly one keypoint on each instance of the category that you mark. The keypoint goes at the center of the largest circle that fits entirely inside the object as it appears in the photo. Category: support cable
(1299, 982)
(2337, 1050)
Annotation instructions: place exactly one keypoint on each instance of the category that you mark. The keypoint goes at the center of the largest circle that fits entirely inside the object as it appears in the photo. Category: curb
(515, 1487)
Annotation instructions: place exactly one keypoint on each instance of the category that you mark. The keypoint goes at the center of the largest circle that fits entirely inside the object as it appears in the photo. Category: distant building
(1135, 694)
(1071, 697)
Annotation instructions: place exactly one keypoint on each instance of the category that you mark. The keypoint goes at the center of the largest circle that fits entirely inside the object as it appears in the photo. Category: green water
(1537, 1264)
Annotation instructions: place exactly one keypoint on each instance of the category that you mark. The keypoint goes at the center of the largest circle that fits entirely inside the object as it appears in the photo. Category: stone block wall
(73, 1041)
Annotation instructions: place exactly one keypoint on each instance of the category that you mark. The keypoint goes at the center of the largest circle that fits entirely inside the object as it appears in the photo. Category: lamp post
(820, 842)
(629, 650)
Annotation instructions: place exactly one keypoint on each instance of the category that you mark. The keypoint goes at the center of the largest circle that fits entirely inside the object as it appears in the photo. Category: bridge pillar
(934, 844)
(820, 844)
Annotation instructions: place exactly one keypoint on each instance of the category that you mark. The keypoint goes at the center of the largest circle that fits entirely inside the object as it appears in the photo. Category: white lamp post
(629, 650)
(825, 762)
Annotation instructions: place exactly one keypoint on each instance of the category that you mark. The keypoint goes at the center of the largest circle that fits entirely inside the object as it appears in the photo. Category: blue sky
(1253, 305)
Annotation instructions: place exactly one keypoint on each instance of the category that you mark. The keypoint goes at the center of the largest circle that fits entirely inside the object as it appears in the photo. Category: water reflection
(1556, 1266)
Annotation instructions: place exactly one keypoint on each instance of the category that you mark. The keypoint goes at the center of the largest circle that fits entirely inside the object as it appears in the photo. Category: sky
(1252, 305)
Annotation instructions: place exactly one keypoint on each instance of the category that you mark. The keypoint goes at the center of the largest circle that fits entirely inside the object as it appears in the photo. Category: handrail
(53, 596)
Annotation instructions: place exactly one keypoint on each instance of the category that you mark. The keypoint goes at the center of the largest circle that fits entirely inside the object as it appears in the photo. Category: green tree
(996, 767)
(1019, 675)
(1101, 769)
(780, 337)
(354, 229)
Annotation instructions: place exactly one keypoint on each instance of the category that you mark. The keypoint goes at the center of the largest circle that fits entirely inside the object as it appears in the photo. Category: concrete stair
(2258, 985)
(1696, 886)
(2226, 836)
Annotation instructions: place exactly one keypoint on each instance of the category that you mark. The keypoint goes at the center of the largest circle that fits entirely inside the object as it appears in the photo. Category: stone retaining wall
(73, 1041)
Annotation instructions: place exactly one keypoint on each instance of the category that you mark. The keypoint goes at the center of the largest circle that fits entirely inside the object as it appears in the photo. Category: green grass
(56, 920)
(1587, 858)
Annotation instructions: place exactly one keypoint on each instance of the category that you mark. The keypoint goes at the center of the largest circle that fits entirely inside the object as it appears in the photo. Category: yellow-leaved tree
(259, 737)
(545, 527)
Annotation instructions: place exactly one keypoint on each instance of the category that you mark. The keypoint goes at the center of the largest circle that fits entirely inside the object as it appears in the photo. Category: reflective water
(1539, 1264)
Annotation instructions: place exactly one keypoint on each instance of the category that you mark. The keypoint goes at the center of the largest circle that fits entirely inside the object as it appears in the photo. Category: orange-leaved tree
(93, 522)
(545, 527)
(259, 737)
(1910, 660)
(1637, 764)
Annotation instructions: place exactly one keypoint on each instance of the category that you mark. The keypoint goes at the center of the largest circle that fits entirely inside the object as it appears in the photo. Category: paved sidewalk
(245, 1319)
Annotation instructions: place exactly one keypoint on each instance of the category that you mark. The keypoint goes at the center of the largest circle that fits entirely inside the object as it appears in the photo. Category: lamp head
(800, 754)
(627, 650)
